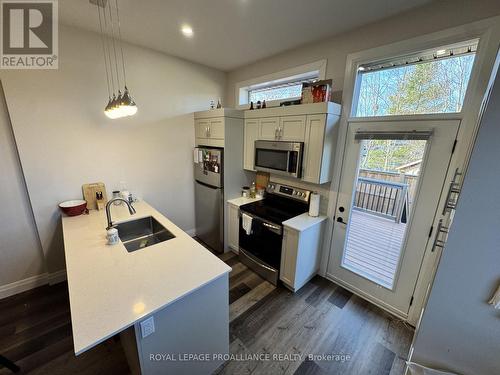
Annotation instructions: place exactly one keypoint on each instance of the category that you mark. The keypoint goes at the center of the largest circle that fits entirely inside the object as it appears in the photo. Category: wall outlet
(147, 327)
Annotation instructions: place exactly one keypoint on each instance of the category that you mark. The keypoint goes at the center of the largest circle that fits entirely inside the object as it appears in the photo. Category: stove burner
(275, 208)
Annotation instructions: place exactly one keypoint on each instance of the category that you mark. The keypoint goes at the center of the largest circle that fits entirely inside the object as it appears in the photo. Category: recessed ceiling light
(187, 31)
(440, 52)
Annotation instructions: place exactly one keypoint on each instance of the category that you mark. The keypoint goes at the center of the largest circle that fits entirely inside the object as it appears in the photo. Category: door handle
(209, 132)
(280, 132)
(438, 242)
(341, 220)
(206, 131)
(276, 133)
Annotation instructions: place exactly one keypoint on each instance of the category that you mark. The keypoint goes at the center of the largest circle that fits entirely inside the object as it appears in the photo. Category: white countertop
(240, 201)
(303, 221)
(110, 289)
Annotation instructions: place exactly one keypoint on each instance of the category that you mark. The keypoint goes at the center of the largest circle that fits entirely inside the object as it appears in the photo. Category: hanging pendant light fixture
(119, 105)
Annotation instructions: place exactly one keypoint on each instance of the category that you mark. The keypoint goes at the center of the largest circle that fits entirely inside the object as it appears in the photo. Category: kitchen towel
(246, 223)
(314, 204)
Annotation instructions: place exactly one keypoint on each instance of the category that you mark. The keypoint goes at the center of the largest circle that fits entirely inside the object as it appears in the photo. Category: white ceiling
(232, 33)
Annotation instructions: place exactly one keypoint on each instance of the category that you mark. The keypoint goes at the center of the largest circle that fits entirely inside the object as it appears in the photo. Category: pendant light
(119, 104)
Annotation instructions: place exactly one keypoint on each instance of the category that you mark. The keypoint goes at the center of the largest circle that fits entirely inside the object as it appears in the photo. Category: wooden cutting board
(89, 194)
(262, 179)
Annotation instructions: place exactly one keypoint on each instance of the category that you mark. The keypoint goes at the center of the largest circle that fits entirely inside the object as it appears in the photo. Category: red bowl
(73, 208)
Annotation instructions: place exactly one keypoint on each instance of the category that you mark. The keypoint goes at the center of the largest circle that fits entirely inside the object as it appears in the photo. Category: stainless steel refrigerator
(209, 196)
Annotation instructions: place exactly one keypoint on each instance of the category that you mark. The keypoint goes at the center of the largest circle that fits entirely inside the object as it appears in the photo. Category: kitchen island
(178, 283)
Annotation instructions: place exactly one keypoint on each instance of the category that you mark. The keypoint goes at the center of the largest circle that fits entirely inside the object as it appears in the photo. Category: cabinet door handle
(209, 131)
(206, 131)
(280, 132)
(276, 133)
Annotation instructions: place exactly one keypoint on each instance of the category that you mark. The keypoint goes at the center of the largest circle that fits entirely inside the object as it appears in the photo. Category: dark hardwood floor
(35, 333)
(322, 318)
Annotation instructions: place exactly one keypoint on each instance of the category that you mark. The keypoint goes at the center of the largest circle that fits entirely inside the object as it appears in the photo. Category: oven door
(283, 158)
(261, 249)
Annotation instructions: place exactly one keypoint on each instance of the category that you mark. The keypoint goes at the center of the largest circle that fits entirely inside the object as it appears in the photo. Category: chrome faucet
(131, 209)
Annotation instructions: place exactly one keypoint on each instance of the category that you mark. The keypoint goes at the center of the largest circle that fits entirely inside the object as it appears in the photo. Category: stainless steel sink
(141, 233)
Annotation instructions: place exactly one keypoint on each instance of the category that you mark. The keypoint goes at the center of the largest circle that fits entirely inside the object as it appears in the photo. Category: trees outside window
(437, 86)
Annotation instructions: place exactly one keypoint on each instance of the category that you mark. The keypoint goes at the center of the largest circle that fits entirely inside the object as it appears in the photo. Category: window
(275, 93)
(426, 83)
(277, 87)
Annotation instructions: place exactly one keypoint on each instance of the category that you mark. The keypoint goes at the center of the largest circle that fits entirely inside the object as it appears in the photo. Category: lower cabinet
(300, 255)
(233, 227)
(289, 252)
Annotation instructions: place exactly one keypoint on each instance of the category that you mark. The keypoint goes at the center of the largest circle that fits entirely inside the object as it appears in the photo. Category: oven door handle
(272, 227)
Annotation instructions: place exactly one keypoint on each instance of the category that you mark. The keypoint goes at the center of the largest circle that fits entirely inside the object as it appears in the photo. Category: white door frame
(435, 161)
(488, 32)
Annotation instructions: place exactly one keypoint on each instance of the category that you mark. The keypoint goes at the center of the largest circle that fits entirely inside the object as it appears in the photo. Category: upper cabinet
(292, 128)
(211, 127)
(252, 131)
(216, 128)
(319, 148)
(201, 128)
(314, 124)
(269, 128)
(288, 128)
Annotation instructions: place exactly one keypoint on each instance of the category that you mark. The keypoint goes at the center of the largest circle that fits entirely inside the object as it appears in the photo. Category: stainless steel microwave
(279, 157)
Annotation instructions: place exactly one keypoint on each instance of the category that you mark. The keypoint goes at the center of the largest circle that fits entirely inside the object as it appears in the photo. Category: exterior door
(392, 176)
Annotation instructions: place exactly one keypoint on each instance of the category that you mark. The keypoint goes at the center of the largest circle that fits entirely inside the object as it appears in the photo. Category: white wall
(21, 255)
(459, 331)
(435, 16)
(64, 139)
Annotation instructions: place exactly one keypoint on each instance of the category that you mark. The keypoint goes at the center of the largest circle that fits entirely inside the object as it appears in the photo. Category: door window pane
(436, 86)
(383, 200)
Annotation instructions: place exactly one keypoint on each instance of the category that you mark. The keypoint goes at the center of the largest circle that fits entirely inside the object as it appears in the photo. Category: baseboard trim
(23, 285)
(32, 282)
(56, 277)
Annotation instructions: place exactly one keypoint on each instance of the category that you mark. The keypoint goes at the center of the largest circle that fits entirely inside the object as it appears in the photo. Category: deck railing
(384, 198)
